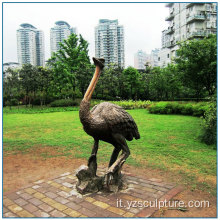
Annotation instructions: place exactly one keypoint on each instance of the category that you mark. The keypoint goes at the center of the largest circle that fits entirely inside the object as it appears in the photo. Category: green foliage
(71, 66)
(109, 85)
(130, 104)
(44, 80)
(195, 109)
(37, 109)
(29, 81)
(63, 103)
(209, 135)
(192, 77)
(164, 83)
(197, 64)
(130, 83)
(12, 88)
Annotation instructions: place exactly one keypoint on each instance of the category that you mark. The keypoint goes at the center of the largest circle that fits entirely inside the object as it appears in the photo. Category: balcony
(172, 24)
(198, 17)
(214, 10)
(170, 17)
(169, 4)
(198, 33)
(170, 44)
(170, 30)
(188, 5)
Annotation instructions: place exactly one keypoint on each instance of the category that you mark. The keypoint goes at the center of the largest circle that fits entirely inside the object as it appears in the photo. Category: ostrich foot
(114, 179)
(108, 178)
(87, 181)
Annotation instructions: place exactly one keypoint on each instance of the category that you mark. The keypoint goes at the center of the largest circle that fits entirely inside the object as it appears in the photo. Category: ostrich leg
(88, 181)
(116, 165)
(92, 162)
(114, 156)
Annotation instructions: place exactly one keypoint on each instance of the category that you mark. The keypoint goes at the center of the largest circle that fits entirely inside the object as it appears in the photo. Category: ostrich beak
(99, 62)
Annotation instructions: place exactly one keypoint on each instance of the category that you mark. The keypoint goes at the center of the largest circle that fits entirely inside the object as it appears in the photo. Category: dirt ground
(22, 169)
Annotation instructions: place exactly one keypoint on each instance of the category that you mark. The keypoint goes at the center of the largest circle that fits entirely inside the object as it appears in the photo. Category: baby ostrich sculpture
(109, 123)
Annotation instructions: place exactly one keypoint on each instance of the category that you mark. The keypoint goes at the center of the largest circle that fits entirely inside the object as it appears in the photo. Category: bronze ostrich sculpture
(107, 122)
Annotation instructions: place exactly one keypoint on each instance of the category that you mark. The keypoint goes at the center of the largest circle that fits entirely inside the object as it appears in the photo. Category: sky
(143, 23)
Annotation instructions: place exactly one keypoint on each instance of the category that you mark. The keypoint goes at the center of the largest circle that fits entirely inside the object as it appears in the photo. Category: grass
(36, 109)
(168, 142)
(22, 109)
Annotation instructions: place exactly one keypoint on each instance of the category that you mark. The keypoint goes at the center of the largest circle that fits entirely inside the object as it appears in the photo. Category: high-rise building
(154, 60)
(141, 59)
(187, 21)
(58, 33)
(30, 45)
(109, 42)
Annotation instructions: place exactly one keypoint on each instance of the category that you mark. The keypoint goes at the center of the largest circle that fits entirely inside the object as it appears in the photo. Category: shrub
(12, 102)
(63, 103)
(187, 109)
(130, 104)
(209, 135)
(197, 109)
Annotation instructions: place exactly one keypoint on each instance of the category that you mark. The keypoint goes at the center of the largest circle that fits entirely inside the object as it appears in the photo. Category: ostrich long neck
(92, 85)
(85, 103)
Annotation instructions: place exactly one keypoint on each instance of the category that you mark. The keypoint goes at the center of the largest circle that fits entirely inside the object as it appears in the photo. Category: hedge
(195, 109)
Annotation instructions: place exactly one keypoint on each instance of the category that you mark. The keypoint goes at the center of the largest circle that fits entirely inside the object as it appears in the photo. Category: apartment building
(30, 45)
(58, 33)
(186, 21)
(141, 59)
(109, 42)
(154, 57)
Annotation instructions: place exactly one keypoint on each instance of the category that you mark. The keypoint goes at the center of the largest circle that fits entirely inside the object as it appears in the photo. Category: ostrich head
(99, 63)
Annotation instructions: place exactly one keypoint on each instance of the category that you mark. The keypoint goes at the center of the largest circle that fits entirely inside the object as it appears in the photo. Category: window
(208, 7)
(214, 24)
(168, 55)
(208, 24)
(208, 15)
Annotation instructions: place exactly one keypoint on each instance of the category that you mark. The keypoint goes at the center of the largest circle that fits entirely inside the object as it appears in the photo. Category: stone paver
(58, 198)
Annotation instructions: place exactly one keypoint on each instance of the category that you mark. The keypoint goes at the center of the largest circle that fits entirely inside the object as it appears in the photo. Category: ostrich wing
(117, 119)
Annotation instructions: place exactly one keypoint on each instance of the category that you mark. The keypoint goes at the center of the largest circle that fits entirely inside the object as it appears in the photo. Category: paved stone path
(58, 198)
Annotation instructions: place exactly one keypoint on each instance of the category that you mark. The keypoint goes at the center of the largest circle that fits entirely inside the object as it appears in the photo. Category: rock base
(89, 182)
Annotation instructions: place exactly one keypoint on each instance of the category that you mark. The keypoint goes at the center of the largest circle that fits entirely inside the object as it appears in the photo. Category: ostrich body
(107, 122)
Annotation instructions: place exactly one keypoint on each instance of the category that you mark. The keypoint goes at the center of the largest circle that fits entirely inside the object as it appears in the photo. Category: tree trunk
(29, 102)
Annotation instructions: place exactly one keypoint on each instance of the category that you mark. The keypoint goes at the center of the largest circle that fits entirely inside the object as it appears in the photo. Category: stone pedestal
(89, 182)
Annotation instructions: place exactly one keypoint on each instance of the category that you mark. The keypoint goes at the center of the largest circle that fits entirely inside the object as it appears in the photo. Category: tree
(197, 63)
(85, 69)
(44, 77)
(29, 81)
(157, 84)
(131, 82)
(109, 83)
(11, 85)
(71, 64)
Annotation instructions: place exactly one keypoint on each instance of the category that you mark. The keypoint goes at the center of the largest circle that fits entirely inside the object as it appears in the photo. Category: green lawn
(168, 142)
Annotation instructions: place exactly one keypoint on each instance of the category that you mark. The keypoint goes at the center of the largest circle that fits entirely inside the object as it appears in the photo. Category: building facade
(30, 45)
(154, 61)
(187, 21)
(109, 42)
(58, 33)
(141, 59)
